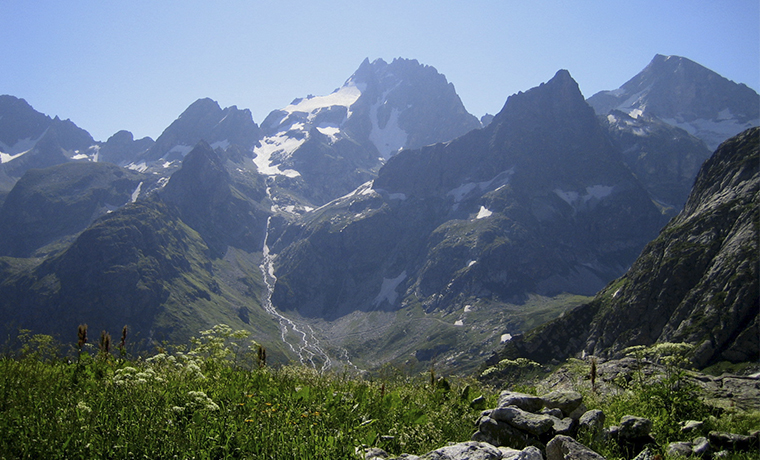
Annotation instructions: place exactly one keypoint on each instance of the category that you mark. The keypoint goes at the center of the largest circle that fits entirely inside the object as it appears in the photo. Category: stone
(553, 412)
(565, 426)
(634, 427)
(524, 401)
(499, 434)
(535, 424)
(374, 453)
(478, 403)
(578, 412)
(470, 450)
(592, 421)
(701, 447)
(566, 401)
(679, 449)
(567, 448)
(691, 426)
(646, 454)
(529, 453)
(732, 441)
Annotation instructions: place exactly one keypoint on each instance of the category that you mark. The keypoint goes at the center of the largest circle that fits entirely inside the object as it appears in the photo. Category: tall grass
(207, 402)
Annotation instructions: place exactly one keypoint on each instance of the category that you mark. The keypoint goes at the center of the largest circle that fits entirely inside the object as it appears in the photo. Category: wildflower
(81, 406)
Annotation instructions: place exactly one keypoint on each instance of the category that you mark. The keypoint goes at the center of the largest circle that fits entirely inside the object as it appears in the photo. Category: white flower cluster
(131, 376)
(84, 408)
(198, 400)
(186, 363)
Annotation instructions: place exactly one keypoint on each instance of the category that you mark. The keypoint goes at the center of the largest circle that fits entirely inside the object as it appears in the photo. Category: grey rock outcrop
(567, 448)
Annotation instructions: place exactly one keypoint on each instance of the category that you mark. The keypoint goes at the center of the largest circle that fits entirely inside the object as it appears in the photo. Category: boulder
(567, 448)
(565, 426)
(634, 427)
(553, 412)
(529, 453)
(647, 454)
(592, 422)
(524, 401)
(535, 424)
(679, 449)
(691, 426)
(500, 434)
(732, 441)
(701, 447)
(465, 451)
(566, 401)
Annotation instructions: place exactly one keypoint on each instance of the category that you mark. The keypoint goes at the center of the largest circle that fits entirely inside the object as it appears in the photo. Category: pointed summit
(687, 95)
(205, 120)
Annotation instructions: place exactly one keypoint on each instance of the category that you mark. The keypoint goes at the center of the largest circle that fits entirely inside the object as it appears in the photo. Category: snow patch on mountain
(181, 149)
(139, 167)
(390, 138)
(468, 189)
(279, 146)
(6, 157)
(483, 213)
(388, 290)
(136, 193)
(593, 192)
(714, 131)
(344, 96)
(221, 144)
(292, 128)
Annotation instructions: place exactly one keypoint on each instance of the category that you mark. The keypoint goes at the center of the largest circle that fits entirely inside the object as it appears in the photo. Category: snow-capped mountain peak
(382, 107)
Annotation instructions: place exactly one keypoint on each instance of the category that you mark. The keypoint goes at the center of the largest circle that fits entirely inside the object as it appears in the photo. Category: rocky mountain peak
(205, 120)
(18, 122)
(687, 95)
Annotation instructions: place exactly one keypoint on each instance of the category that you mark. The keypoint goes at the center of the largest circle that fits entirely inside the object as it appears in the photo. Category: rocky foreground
(528, 427)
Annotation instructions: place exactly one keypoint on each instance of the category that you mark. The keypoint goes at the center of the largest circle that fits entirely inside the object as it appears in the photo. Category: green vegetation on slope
(216, 399)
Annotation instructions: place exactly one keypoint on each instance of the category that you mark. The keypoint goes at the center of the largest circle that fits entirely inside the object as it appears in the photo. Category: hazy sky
(136, 65)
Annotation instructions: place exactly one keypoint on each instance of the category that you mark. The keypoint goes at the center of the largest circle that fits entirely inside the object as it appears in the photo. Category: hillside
(697, 282)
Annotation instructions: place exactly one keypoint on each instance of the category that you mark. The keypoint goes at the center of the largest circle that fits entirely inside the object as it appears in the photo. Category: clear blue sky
(136, 65)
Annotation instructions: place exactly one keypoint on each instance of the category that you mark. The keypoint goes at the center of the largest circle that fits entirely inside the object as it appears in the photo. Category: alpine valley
(383, 223)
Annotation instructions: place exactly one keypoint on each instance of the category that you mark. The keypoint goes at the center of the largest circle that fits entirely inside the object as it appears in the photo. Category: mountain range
(380, 223)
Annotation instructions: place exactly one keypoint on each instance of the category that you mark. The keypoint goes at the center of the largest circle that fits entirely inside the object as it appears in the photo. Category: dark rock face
(47, 204)
(537, 202)
(122, 147)
(209, 201)
(665, 158)
(695, 283)
(19, 121)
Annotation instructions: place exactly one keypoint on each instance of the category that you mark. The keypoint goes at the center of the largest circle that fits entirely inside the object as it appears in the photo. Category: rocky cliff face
(225, 212)
(665, 158)
(697, 282)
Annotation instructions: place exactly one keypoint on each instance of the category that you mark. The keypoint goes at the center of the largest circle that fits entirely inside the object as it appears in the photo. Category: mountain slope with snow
(379, 110)
(687, 95)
